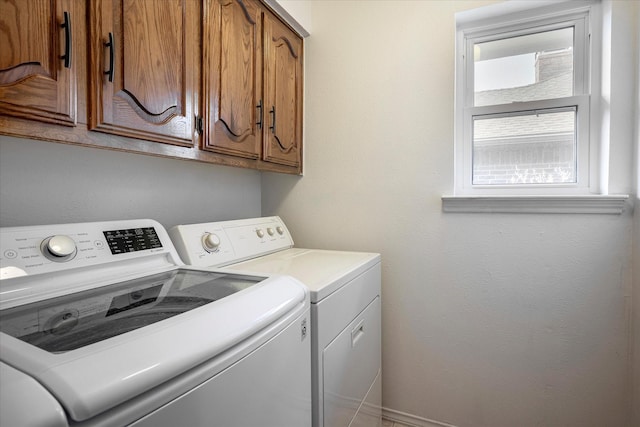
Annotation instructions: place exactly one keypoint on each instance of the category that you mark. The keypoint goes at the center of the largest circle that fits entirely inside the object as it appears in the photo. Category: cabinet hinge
(199, 124)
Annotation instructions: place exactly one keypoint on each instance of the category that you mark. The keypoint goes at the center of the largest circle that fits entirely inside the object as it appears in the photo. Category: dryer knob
(210, 242)
(59, 248)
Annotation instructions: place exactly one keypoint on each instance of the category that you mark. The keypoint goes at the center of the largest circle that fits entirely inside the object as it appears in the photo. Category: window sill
(587, 204)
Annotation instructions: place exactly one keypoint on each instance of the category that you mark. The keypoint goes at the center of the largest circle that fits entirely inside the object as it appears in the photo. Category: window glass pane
(526, 148)
(524, 68)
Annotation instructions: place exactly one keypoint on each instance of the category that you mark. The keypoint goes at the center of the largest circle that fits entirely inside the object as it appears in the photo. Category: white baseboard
(412, 420)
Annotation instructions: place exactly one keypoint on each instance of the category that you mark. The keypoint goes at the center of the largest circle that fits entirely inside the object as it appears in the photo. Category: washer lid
(76, 320)
(101, 373)
(322, 271)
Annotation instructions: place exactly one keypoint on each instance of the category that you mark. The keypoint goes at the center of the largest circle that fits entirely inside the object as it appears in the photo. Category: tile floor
(389, 423)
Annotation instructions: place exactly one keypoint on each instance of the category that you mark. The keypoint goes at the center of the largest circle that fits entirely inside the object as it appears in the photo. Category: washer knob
(270, 231)
(260, 232)
(210, 242)
(59, 248)
(280, 230)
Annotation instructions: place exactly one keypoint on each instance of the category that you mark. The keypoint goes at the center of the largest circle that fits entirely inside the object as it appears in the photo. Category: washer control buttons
(59, 248)
(270, 231)
(210, 242)
(10, 254)
(280, 230)
(260, 232)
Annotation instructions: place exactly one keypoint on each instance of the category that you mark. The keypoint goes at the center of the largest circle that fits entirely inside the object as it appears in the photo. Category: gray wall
(46, 183)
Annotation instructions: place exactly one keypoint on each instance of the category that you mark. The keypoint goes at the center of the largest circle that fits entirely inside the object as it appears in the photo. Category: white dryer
(345, 307)
(101, 324)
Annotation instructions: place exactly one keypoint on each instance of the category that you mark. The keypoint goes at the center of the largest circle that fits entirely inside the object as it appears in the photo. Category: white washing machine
(101, 324)
(345, 307)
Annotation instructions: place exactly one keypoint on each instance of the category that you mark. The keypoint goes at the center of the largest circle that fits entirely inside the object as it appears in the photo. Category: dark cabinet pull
(273, 129)
(259, 106)
(273, 119)
(111, 47)
(67, 40)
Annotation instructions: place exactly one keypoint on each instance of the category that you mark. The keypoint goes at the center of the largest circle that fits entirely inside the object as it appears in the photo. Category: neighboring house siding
(530, 160)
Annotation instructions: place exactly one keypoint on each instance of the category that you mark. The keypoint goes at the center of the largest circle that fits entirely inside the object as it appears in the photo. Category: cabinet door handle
(110, 45)
(273, 129)
(67, 40)
(273, 119)
(259, 107)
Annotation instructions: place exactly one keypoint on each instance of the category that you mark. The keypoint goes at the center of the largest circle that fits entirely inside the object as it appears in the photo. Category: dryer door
(351, 363)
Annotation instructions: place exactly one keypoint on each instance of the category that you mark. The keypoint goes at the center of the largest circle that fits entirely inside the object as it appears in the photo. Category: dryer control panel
(216, 244)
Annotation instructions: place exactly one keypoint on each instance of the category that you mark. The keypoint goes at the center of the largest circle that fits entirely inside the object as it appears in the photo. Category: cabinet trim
(82, 136)
(282, 13)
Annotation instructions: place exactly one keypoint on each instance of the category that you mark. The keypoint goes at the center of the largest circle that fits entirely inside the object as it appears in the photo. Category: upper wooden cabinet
(252, 85)
(217, 81)
(37, 60)
(232, 64)
(282, 93)
(144, 68)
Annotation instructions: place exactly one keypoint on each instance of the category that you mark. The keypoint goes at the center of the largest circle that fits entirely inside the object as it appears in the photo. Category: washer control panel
(44, 249)
(216, 244)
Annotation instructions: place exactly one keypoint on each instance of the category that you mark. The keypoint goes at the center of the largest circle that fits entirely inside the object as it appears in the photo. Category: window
(523, 102)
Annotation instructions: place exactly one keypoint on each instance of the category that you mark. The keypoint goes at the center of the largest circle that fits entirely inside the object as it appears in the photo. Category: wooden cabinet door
(282, 93)
(233, 108)
(145, 68)
(35, 81)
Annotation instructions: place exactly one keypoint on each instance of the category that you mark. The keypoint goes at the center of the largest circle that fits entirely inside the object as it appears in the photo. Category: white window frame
(577, 14)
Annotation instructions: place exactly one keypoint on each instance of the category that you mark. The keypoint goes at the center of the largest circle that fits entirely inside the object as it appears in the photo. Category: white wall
(635, 336)
(488, 320)
(48, 183)
(635, 331)
(620, 22)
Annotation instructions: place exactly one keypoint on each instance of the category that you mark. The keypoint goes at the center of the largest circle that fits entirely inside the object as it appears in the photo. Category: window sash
(467, 37)
(579, 103)
(580, 48)
(528, 161)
